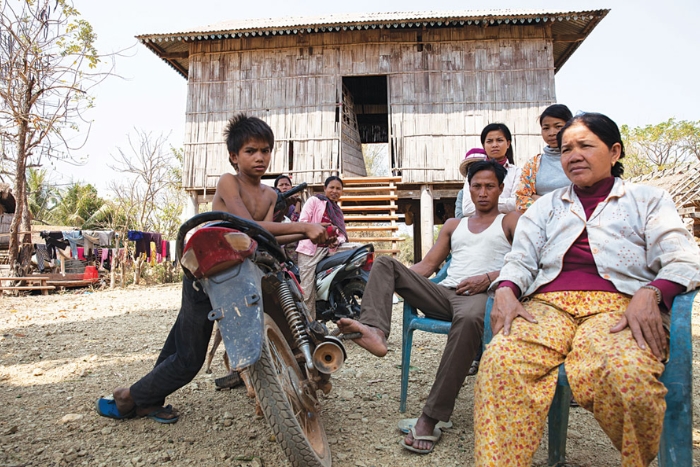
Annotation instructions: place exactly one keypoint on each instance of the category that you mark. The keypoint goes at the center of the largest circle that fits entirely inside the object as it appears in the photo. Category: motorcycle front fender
(237, 306)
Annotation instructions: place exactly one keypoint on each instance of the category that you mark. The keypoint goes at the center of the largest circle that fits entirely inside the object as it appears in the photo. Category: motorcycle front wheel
(278, 380)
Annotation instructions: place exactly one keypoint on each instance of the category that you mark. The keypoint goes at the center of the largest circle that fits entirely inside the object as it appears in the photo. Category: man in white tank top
(478, 245)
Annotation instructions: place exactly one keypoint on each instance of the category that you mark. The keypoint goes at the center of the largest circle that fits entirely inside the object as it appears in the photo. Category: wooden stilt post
(426, 219)
(417, 251)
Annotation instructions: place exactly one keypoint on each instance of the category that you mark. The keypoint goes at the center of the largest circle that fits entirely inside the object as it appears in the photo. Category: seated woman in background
(288, 212)
(283, 184)
(320, 209)
(600, 262)
(543, 173)
(497, 142)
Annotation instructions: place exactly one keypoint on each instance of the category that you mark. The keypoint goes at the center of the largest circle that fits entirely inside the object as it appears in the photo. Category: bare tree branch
(48, 67)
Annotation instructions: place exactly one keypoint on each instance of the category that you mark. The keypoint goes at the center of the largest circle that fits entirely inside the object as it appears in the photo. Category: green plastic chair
(411, 322)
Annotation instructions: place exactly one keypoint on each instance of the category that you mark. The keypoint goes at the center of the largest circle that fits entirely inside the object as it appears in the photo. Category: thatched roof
(682, 182)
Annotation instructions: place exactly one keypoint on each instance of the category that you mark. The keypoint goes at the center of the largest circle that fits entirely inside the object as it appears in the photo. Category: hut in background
(683, 184)
(423, 83)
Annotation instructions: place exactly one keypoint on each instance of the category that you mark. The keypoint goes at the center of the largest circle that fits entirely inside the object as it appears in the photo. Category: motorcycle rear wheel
(276, 378)
(353, 292)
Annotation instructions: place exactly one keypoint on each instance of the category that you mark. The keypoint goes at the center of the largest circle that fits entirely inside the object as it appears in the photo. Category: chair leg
(405, 366)
(676, 448)
(558, 424)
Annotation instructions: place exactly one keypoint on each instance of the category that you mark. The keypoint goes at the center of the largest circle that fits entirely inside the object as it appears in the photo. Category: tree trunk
(20, 194)
(138, 266)
(21, 218)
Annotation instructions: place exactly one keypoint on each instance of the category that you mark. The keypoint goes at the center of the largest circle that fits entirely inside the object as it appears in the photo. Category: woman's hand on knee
(506, 307)
(643, 317)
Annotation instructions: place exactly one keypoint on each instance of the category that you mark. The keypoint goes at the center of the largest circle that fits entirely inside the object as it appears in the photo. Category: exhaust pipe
(329, 357)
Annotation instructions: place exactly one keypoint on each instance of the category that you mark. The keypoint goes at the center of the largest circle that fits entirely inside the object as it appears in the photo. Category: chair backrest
(442, 273)
(410, 310)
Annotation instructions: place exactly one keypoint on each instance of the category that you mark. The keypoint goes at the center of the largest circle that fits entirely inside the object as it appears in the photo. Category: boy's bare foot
(122, 397)
(372, 340)
(125, 404)
(424, 427)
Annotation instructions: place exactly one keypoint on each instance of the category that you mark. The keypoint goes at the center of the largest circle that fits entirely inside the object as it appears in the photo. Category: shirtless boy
(249, 141)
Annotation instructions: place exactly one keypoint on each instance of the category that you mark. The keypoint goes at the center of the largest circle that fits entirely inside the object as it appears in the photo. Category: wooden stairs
(370, 208)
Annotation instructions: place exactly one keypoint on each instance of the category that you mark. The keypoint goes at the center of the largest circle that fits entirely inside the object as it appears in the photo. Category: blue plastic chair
(676, 447)
(411, 322)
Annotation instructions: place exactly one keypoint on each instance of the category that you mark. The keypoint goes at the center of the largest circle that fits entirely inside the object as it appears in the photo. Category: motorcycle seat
(336, 259)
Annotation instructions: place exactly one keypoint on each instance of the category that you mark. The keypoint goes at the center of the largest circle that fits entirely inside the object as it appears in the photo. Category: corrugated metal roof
(569, 28)
(437, 17)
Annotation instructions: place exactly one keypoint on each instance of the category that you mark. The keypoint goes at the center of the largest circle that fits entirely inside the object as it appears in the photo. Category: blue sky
(638, 66)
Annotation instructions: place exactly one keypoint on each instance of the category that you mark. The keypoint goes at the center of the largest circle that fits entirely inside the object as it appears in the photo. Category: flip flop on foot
(164, 415)
(434, 438)
(107, 407)
(406, 424)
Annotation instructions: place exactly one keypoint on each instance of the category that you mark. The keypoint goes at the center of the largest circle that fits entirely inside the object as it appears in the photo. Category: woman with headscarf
(320, 209)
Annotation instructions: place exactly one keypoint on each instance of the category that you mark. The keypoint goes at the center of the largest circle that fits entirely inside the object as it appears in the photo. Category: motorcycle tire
(298, 430)
(353, 292)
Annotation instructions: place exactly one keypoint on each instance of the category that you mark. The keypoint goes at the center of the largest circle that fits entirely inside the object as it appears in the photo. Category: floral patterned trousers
(608, 373)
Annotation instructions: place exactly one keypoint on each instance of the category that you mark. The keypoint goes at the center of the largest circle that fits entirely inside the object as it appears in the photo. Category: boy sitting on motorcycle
(249, 141)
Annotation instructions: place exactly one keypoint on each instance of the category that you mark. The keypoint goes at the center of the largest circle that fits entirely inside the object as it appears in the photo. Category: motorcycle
(340, 278)
(265, 327)
(340, 283)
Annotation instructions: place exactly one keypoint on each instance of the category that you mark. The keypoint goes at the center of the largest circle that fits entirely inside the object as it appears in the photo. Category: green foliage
(660, 146)
(77, 204)
(162, 273)
(42, 195)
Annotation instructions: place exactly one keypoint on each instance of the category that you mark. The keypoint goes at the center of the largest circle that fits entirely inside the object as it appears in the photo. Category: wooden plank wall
(443, 90)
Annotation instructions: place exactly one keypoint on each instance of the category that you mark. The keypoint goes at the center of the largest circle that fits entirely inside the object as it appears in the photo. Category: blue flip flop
(168, 409)
(107, 407)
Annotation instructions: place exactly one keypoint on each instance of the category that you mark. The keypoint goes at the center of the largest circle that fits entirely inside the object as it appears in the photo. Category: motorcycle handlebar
(295, 190)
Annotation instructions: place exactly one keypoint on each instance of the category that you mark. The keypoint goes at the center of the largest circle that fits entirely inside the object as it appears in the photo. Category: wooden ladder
(370, 208)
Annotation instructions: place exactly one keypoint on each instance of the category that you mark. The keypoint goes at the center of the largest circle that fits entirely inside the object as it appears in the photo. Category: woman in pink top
(320, 209)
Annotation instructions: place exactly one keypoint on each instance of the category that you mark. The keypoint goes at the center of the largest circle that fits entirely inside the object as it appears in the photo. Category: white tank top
(489, 246)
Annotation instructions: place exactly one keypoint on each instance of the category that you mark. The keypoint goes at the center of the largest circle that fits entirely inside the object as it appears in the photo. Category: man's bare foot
(372, 340)
(425, 426)
(125, 404)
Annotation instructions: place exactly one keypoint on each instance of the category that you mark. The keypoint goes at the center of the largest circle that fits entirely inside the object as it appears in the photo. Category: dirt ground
(58, 353)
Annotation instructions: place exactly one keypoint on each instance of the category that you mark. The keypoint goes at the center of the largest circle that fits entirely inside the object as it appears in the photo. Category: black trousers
(183, 353)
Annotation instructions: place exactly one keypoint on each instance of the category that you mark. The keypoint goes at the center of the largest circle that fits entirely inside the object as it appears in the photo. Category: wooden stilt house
(423, 83)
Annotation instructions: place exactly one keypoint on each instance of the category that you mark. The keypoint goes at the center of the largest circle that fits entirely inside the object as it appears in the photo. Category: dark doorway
(369, 94)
